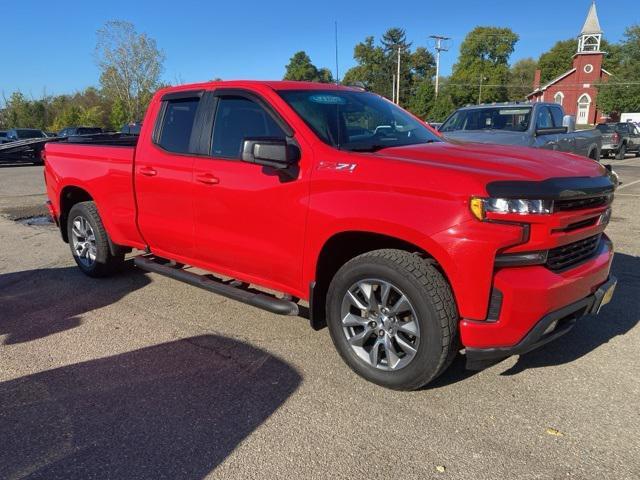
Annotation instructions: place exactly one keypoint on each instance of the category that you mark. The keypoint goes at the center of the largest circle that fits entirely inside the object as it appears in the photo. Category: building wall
(572, 87)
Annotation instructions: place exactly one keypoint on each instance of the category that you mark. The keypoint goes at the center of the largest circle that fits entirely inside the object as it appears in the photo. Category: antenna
(439, 48)
(336, 41)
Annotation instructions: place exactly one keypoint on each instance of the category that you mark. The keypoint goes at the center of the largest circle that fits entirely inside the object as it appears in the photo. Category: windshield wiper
(369, 148)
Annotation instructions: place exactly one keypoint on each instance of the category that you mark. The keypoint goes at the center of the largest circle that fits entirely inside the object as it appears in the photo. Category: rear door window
(177, 124)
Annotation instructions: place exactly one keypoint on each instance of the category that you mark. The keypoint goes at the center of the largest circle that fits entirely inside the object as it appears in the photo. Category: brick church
(575, 89)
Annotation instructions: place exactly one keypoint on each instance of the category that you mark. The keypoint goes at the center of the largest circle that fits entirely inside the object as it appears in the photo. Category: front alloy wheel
(380, 324)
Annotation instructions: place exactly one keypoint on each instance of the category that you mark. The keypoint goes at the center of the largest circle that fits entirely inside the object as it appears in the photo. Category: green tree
(521, 78)
(443, 106)
(482, 70)
(622, 92)
(421, 102)
(300, 68)
(130, 64)
(377, 64)
(559, 58)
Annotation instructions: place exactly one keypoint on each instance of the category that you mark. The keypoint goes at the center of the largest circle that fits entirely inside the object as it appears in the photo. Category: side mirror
(569, 121)
(270, 152)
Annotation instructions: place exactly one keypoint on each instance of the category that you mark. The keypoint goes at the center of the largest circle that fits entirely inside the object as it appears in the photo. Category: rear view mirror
(271, 152)
(569, 121)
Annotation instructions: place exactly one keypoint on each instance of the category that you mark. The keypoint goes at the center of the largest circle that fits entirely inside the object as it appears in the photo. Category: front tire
(89, 241)
(622, 152)
(393, 319)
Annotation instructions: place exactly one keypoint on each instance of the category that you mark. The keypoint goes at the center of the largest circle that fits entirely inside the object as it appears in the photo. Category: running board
(210, 283)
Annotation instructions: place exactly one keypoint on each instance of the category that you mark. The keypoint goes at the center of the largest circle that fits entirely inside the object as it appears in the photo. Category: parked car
(408, 247)
(538, 125)
(619, 138)
(71, 131)
(3, 136)
(24, 134)
(131, 128)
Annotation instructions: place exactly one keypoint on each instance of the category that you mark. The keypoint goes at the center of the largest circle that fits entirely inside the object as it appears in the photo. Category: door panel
(164, 181)
(249, 219)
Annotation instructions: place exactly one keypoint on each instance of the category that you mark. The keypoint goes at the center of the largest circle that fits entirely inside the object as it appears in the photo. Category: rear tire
(385, 353)
(622, 152)
(89, 241)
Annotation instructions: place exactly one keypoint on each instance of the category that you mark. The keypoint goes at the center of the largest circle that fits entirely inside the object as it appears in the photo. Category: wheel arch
(70, 195)
(342, 247)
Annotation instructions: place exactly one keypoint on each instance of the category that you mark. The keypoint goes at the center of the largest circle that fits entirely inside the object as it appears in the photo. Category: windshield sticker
(514, 111)
(328, 99)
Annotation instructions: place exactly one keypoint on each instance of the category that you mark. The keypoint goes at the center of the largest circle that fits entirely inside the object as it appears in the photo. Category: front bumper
(550, 327)
(531, 296)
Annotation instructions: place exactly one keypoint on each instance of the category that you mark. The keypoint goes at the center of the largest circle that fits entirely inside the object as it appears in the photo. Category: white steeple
(591, 34)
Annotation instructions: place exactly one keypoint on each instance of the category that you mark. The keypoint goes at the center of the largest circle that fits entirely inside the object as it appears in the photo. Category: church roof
(591, 24)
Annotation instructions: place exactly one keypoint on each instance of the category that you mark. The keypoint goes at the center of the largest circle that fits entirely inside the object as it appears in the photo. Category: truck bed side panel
(105, 173)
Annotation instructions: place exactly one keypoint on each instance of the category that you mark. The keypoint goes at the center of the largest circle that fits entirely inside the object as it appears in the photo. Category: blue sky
(49, 45)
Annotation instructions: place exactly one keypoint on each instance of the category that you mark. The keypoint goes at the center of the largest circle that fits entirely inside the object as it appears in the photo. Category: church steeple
(591, 34)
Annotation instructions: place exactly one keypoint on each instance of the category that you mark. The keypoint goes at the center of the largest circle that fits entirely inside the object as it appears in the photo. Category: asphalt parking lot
(138, 376)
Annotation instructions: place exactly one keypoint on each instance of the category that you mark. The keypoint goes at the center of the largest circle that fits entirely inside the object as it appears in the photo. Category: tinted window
(623, 128)
(557, 116)
(489, 118)
(605, 127)
(238, 118)
(29, 133)
(177, 124)
(544, 119)
(88, 130)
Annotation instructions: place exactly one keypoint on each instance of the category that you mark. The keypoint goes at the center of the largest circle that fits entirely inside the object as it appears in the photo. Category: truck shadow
(616, 318)
(42, 302)
(174, 410)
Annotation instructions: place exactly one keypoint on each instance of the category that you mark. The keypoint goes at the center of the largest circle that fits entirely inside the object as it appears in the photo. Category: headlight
(481, 206)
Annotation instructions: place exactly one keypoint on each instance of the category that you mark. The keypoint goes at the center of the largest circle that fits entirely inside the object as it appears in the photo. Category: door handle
(148, 171)
(207, 178)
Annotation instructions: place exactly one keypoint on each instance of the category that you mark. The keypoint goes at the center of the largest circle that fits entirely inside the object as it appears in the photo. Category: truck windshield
(357, 121)
(515, 119)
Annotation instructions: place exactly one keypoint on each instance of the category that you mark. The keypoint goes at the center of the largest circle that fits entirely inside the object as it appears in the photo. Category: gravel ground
(139, 376)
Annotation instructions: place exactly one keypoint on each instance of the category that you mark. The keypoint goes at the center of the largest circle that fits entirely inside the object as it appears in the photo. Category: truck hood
(496, 162)
(502, 137)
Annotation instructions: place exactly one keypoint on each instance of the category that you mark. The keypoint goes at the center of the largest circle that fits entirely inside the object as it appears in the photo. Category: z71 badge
(339, 166)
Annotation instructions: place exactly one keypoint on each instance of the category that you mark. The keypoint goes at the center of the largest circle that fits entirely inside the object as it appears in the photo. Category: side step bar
(244, 295)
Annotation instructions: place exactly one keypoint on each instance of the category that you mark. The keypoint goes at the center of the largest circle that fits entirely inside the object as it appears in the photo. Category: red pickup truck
(406, 246)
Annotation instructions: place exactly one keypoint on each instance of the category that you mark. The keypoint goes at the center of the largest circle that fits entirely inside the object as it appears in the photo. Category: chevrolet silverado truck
(538, 125)
(408, 248)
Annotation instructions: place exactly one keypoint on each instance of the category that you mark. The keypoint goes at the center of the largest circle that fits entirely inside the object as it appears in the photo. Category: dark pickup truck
(619, 139)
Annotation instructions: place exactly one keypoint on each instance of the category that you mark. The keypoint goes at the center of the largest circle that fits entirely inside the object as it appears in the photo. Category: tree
(521, 78)
(559, 58)
(377, 65)
(482, 70)
(622, 92)
(130, 65)
(443, 106)
(300, 68)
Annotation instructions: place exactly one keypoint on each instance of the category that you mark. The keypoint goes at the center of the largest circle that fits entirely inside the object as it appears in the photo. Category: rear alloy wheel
(392, 318)
(89, 241)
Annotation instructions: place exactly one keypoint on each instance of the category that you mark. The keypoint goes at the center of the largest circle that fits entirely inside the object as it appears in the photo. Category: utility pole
(480, 92)
(336, 42)
(398, 78)
(439, 48)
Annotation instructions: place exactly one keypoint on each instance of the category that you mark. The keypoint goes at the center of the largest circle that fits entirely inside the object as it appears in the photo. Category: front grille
(581, 203)
(561, 258)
